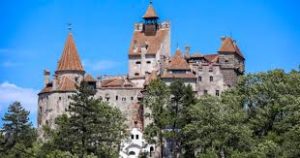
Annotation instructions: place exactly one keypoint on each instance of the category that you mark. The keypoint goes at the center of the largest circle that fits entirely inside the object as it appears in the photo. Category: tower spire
(70, 60)
(150, 12)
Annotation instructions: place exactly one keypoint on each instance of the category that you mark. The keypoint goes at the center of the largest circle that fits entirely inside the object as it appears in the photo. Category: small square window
(132, 98)
(211, 79)
(205, 92)
(138, 62)
(148, 62)
(200, 78)
(136, 136)
(123, 99)
(132, 136)
(217, 93)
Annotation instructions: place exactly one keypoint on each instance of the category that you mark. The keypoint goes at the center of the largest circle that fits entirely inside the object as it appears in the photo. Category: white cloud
(10, 92)
(100, 65)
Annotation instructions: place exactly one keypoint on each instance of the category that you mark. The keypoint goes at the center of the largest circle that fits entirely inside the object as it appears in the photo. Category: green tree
(90, 127)
(17, 133)
(156, 99)
(182, 98)
(217, 128)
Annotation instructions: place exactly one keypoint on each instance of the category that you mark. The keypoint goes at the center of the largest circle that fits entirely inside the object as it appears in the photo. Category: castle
(149, 57)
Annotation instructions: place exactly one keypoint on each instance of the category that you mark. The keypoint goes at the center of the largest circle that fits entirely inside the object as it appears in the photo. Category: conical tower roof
(150, 13)
(70, 59)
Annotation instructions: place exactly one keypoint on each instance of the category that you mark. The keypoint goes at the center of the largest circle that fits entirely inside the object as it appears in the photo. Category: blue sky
(33, 32)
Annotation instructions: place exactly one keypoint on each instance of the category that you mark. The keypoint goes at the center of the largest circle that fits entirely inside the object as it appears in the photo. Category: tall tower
(149, 47)
(231, 60)
(151, 21)
(54, 97)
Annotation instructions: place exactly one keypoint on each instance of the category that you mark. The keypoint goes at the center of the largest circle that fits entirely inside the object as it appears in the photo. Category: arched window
(131, 153)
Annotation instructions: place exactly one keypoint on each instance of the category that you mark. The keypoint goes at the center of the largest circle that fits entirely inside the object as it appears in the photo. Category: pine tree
(17, 132)
(90, 127)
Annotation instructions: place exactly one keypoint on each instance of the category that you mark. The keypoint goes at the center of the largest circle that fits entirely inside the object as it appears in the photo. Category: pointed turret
(178, 62)
(151, 21)
(229, 46)
(70, 60)
(150, 13)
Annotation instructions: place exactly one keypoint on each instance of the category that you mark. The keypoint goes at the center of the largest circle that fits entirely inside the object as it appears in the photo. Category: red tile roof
(212, 57)
(47, 88)
(178, 75)
(89, 78)
(150, 13)
(70, 59)
(178, 62)
(229, 46)
(66, 84)
(153, 42)
(116, 82)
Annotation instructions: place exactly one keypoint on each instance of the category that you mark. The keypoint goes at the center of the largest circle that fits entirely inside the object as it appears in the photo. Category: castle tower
(55, 96)
(149, 48)
(231, 60)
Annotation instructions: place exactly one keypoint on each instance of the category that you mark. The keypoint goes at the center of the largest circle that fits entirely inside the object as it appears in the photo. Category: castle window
(200, 78)
(148, 62)
(210, 69)
(211, 79)
(205, 92)
(123, 99)
(131, 98)
(138, 62)
(217, 93)
(76, 79)
(131, 153)
(59, 98)
(136, 74)
(107, 99)
(117, 97)
(137, 136)
(132, 136)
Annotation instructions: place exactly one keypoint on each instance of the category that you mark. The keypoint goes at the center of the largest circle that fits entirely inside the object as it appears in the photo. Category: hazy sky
(33, 33)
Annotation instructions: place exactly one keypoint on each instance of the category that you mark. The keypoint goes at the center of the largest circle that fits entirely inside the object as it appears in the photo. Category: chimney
(46, 77)
(187, 51)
